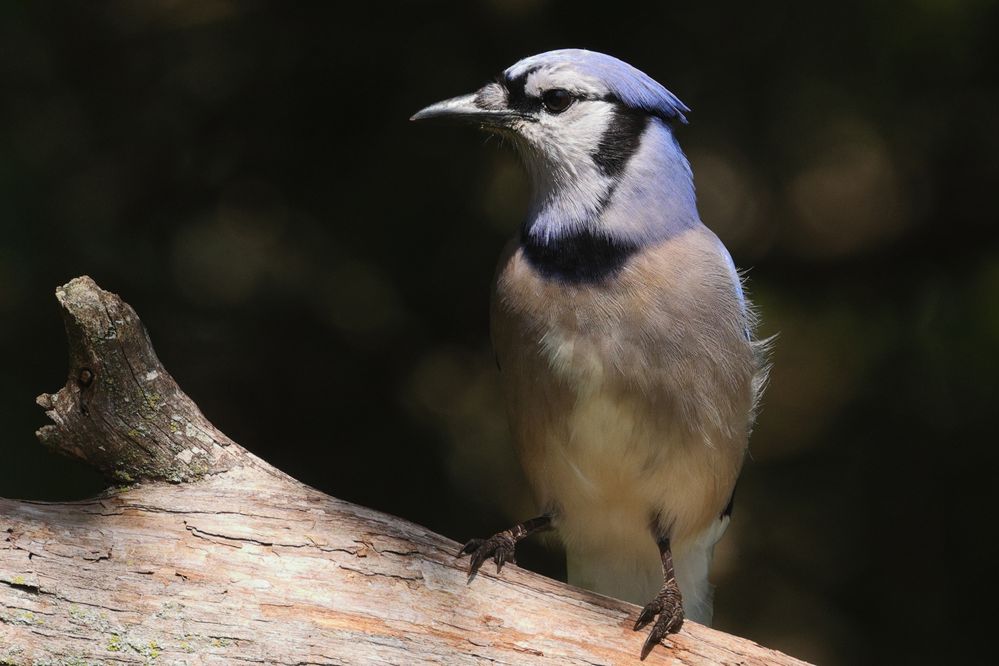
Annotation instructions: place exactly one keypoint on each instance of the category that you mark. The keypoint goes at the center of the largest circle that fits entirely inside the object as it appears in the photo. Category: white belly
(618, 461)
(614, 471)
(618, 469)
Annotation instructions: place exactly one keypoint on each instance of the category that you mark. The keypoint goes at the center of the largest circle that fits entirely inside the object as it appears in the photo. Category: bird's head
(577, 118)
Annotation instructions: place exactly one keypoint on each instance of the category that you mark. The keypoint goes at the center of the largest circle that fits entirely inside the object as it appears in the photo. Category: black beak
(469, 108)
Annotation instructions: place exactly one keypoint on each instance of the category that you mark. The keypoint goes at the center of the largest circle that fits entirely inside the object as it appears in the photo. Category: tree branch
(214, 557)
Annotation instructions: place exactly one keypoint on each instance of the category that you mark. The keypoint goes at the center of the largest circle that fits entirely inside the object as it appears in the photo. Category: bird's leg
(668, 604)
(501, 546)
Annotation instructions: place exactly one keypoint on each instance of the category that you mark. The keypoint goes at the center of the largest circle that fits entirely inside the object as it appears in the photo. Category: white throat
(651, 199)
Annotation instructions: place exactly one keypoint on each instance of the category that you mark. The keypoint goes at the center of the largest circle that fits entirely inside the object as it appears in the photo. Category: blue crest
(631, 86)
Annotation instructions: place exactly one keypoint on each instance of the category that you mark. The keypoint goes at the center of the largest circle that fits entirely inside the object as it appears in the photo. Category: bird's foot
(500, 547)
(668, 605)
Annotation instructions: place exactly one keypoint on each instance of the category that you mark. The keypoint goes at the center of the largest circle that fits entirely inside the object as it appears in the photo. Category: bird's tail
(638, 576)
(632, 576)
(692, 562)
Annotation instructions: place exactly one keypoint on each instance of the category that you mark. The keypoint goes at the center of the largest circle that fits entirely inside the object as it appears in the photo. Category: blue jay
(622, 334)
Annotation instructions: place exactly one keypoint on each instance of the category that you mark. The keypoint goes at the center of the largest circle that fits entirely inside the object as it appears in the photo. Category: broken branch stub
(120, 410)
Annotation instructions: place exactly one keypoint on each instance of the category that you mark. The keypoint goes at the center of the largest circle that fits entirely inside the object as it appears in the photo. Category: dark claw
(648, 614)
(469, 547)
(669, 607)
(665, 625)
(653, 640)
(499, 557)
(478, 559)
(650, 642)
(499, 547)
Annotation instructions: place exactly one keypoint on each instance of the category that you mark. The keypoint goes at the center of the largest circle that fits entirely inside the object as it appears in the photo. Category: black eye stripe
(519, 100)
(516, 97)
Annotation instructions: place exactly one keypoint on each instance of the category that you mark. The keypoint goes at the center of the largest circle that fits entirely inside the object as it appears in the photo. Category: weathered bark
(211, 556)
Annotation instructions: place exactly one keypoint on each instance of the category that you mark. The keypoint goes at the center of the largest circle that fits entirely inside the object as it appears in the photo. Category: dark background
(314, 269)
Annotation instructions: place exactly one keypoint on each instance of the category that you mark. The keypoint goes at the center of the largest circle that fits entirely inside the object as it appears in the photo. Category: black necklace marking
(578, 258)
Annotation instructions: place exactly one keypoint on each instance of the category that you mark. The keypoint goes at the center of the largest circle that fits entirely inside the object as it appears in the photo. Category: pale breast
(630, 396)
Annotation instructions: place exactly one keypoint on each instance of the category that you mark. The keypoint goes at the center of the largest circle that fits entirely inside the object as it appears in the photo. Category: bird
(622, 333)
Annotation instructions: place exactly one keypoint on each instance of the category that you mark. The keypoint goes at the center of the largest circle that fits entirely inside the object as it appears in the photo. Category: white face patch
(558, 152)
(580, 159)
(558, 148)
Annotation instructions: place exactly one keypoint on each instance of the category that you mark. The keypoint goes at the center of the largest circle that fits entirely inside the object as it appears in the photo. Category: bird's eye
(556, 100)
